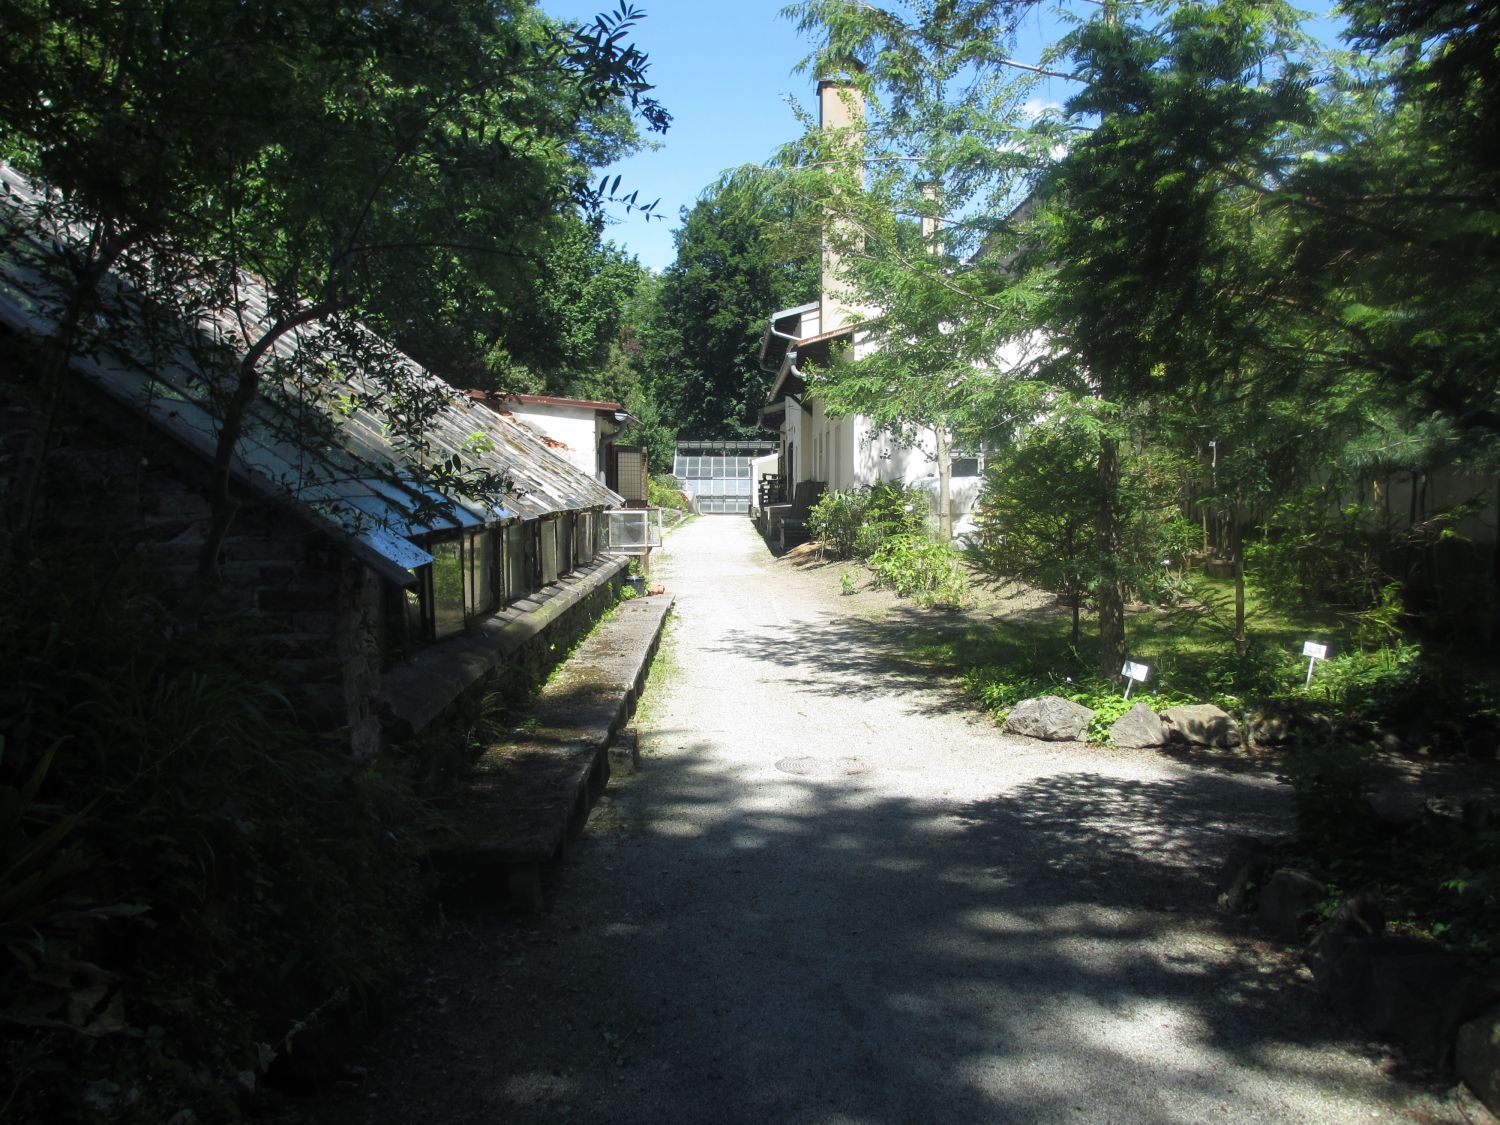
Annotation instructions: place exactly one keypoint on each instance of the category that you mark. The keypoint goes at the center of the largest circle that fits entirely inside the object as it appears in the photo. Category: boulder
(1267, 728)
(1478, 1057)
(1340, 953)
(1286, 901)
(1422, 998)
(1396, 811)
(1246, 865)
(1138, 728)
(1391, 987)
(1201, 724)
(1051, 718)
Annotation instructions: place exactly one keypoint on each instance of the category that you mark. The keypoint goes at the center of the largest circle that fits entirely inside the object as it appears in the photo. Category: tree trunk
(945, 484)
(57, 354)
(221, 496)
(1237, 547)
(1111, 595)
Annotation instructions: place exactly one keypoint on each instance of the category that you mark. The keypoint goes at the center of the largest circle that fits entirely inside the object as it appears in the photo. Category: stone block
(1421, 998)
(1050, 718)
(1340, 953)
(1201, 724)
(1286, 902)
(1477, 1057)
(625, 751)
(1246, 865)
(1138, 729)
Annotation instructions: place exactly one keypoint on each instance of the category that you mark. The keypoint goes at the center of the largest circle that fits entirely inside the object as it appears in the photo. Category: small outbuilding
(394, 543)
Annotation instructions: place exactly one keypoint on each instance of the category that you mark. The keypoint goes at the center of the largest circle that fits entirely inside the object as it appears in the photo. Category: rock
(1395, 988)
(1201, 724)
(1478, 1057)
(1138, 728)
(1421, 998)
(1269, 729)
(1286, 901)
(1244, 870)
(1397, 810)
(1051, 718)
(1340, 953)
(1478, 813)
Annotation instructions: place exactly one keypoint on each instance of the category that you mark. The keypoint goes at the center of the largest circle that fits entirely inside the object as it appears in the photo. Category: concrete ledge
(530, 798)
(419, 691)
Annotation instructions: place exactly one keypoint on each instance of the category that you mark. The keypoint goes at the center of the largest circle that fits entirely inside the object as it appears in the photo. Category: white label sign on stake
(1134, 674)
(1314, 653)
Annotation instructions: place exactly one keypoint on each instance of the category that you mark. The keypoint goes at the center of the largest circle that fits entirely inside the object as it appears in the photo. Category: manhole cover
(807, 766)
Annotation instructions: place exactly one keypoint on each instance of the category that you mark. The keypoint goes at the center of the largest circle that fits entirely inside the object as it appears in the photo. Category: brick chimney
(841, 110)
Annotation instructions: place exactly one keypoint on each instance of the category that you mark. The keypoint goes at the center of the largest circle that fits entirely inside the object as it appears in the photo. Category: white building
(817, 450)
(584, 433)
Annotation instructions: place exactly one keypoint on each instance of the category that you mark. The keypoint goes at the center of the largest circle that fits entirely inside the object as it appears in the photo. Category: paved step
(530, 797)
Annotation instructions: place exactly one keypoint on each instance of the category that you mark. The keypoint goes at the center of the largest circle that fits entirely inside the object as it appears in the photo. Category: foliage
(853, 523)
(422, 166)
(920, 568)
(1391, 229)
(702, 336)
(914, 188)
(1036, 520)
(1327, 772)
(193, 885)
(665, 491)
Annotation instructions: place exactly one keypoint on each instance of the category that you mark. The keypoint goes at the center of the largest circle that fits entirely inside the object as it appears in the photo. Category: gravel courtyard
(833, 895)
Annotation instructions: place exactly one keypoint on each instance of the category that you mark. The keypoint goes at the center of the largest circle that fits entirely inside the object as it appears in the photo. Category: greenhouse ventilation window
(633, 531)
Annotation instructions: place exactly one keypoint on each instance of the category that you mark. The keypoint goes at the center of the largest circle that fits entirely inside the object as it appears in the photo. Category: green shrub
(1327, 772)
(854, 522)
(664, 490)
(918, 567)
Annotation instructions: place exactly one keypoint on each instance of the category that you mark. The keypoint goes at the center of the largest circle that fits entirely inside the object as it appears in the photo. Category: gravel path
(831, 895)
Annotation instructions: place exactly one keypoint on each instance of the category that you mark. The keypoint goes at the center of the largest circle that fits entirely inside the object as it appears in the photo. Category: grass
(665, 668)
(1189, 648)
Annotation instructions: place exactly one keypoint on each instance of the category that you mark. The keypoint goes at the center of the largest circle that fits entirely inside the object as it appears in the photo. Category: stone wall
(318, 617)
(115, 490)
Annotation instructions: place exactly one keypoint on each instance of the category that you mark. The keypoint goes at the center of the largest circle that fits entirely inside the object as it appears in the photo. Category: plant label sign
(1314, 653)
(1134, 674)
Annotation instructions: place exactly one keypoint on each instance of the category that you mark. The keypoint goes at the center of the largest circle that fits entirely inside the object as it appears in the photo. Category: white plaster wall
(792, 434)
(761, 467)
(577, 427)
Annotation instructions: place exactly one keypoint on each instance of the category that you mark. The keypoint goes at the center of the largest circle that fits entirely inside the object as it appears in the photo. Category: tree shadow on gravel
(743, 945)
(846, 657)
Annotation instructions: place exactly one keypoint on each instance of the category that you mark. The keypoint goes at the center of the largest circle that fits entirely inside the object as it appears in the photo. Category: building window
(483, 593)
(548, 551)
(445, 589)
(583, 538)
(517, 584)
(565, 543)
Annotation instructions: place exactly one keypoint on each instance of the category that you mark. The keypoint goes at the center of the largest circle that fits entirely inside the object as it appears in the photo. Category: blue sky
(723, 69)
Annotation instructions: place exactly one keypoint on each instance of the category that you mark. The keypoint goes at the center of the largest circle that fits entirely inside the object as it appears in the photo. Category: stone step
(530, 797)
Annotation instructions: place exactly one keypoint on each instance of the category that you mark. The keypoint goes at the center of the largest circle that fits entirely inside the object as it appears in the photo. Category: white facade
(580, 431)
(576, 429)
